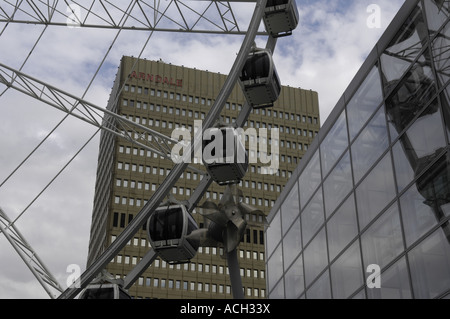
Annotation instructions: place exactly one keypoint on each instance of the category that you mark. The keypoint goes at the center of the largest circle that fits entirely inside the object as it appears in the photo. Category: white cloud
(323, 54)
(329, 47)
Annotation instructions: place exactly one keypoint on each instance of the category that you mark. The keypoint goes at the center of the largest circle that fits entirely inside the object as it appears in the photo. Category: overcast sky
(323, 54)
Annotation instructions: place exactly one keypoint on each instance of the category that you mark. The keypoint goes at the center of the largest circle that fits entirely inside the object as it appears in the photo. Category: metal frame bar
(72, 105)
(29, 256)
(113, 15)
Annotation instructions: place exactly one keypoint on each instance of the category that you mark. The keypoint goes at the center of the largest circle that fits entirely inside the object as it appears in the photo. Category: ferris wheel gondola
(167, 230)
(259, 79)
(280, 17)
(105, 287)
(225, 160)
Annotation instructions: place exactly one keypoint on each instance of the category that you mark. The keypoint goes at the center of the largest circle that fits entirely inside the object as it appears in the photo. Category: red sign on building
(156, 78)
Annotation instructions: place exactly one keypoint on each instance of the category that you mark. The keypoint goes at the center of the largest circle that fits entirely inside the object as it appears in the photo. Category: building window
(115, 219)
(122, 220)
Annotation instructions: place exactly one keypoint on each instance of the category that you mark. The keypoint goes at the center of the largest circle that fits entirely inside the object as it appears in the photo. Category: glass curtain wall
(376, 188)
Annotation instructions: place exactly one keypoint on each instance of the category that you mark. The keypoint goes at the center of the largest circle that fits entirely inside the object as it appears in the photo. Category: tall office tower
(164, 97)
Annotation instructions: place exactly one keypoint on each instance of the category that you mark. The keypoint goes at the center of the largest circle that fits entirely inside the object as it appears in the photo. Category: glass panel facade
(321, 288)
(346, 272)
(395, 284)
(440, 49)
(292, 243)
(312, 217)
(435, 14)
(376, 188)
(375, 191)
(404, 170)
(342, 227)
(275, 266)
(364, 102)
(334, 144)
(414, 92)
(403, 49)
(310, 179)
(273, 234)
(295, 280)
(315, 257)
(290, 209)
(430, 265)
(383, 241)
(369, 146)
(418, 216)
(338, 184)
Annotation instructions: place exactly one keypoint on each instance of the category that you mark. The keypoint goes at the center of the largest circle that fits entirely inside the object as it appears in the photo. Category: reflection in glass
(364, 102)
(275, 267)
(418, 217)
(430, 266)
(295, 281)
(441, 53)
(369, 146)
(383, 241)
(312, 216)
(425, 136)
(310, 179)
(445, 108)
(290, 208)
(403, 170)
(342, 227)
(338, 184)
(334, 144)
(292, 243)
(403, 49)
(437, 12)
(419, 146)
(346, 272)
(321, 288)
(375, 192)
(315, 257)
(411, 95)
(273, 233)
(427, 201)
(394, 283)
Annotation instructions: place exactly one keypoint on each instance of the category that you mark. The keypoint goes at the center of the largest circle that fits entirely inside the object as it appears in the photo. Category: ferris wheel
(253, 68)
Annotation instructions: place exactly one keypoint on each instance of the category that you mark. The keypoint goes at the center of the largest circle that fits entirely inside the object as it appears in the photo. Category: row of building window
(168, 95)
(228, 105)
(243, 254)
(183, 113)
(186, 191)
(196, 267)
(196, 286)
(146, 153)
(139, 202)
